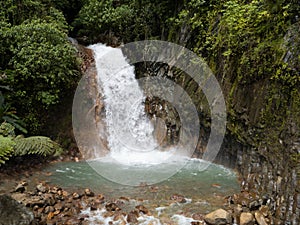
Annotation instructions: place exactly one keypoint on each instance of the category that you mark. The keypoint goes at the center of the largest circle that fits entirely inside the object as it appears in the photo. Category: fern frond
(6, 148)
(36, 145)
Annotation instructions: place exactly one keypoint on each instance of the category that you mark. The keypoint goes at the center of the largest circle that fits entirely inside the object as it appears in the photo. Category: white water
(130, 132)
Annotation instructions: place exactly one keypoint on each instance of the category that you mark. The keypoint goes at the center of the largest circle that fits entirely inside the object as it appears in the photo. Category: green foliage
(250, 40)
(128, 20)
(8, 114)
(10, 145)
(6, 148)
(98, 16)
(7, 130)
(38, 63)
(42, 62)
(36, 145)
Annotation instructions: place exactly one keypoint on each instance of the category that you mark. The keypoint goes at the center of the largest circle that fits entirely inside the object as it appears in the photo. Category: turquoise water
(204, 190)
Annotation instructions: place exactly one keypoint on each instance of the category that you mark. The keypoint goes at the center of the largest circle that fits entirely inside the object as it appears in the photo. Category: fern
(6, 148)
(36, 145)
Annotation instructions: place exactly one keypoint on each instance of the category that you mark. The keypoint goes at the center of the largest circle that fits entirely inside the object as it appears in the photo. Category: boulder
(246, 219)
(260, 218)
(218, 217)
(41, 188)
(89, 193)
(112, 207)
(14, 213)
(132, 217)
(21, 187)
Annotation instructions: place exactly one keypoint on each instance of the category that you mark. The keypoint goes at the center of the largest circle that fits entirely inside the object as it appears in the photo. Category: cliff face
(263, 131)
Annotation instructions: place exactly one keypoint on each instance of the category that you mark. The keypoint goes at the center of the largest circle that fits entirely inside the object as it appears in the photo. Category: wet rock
(142, 209)
(14, 213)
(195, 223)
(59, 206)
(218, 217)
(94, 206)
(247, 219)
(264, 210)
(54, 190)
(21, 187)
(49, 209)
(119, 216)
(34, 200)
(49, 199)
(75, 195)
(108, 214)
(197, 216)
(89, 193)
(178, 198)
(125, 198)
(42, 188)
(260, 218)
(238, 209)
(112, 207)
(132, 217)
(19, 197)
(255, 204)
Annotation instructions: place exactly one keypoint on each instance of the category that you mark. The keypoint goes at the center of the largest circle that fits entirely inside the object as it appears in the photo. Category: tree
(38, 63)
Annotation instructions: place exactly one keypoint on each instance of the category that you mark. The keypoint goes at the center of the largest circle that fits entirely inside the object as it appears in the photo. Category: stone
(89, 193)
(49, 199)
(178, 198)
(197, 216)
(40, 187)
(93, 206)
(59, 206)
(34, 200)
(21, 187)
(112, 207)
(218, 217)
(142, 209)
(132, 217)
(260, 218)
(19, 197)
(75, 196)
(49, 209)
(14, 213)
(264, 210)
(247, 219)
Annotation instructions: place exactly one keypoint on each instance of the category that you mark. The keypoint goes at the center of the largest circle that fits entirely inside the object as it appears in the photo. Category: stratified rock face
(218, 217)
(13, 213)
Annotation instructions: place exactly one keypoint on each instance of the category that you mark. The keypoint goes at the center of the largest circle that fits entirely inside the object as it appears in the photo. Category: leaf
(6, 148)
(36, 145)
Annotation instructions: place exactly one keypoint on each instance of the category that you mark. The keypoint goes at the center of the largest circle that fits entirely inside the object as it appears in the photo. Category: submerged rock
(112, 207)
(142, 209)
(178, 198)
(218, 217)
(132, 217)
(14, 213)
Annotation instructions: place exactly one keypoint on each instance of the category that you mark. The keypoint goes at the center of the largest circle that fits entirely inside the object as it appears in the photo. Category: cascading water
(130, 132)
(135, 161)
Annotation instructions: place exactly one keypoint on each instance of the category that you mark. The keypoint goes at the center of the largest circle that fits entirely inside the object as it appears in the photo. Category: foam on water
(99, 217)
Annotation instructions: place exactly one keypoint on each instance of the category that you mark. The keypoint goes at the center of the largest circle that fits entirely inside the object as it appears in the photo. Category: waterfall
(130, 132)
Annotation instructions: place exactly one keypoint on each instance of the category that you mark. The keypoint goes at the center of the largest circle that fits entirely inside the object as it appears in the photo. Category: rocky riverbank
(45, 204)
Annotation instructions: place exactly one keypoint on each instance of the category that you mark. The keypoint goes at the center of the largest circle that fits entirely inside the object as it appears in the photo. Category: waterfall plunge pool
(204, 191)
